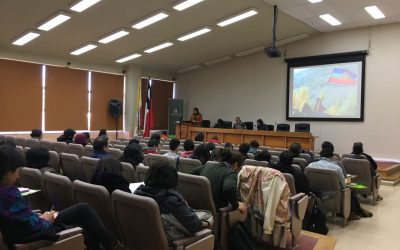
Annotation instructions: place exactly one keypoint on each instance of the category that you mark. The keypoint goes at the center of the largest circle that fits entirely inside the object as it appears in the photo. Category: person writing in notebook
(196, 117)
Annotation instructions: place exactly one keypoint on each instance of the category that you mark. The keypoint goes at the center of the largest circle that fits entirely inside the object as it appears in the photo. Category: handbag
(205, 217)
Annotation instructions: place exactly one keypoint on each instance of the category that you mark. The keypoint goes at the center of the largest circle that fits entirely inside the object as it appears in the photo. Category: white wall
(255, 87)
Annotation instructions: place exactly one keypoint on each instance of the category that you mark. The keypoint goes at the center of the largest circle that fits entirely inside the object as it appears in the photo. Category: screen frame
(355, 56)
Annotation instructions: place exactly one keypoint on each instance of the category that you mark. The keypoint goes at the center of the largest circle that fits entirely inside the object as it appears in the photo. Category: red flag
(148, 115)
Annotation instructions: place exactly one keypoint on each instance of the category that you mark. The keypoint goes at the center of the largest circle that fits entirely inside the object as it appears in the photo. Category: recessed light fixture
(191, 68)
(237, 17)
(83, 5)
(159, 47)
(158, 16)
(182, 5)
(114, 36)
(315, 1)
(193, 34)
(27, 37)
(219, 60)
(54, 21)
(128, 58)
(84, 49)
(375, 12)
(330, 19)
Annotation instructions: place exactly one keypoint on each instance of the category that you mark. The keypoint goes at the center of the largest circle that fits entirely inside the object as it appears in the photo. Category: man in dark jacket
(99, 146)
(285, 166)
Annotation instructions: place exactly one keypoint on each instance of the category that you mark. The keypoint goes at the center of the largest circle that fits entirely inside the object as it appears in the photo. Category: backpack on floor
(315, 220)
(240, 238)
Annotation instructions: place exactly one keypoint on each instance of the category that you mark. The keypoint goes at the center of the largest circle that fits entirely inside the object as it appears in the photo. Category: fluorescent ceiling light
(219, 60)
(158, 47)
(150, 20)
(330, 19)
(83, 5)
(114, 36)
(237, 17)
(128, 58)
(54, 21)
(191, 68)
(181, 5)
(84, 49)
(375, 12)
(250, 51)
(193, 34)
(315, 1)
(26, 38)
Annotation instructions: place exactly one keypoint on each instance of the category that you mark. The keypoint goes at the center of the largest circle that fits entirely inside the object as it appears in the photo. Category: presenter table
(264, 138)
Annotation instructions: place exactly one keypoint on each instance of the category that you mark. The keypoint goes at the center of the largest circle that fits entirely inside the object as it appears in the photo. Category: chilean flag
(148, 115)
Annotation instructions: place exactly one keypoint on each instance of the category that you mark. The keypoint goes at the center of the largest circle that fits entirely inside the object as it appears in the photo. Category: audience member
(296, 150)
(261, 125)
(8, 141)
(228, 146)
(329, 145)
(99, 147)
(196, 117)
(210, 146)
(214, 139)
(39, 158)
(220, 124)
(160, 184)
(164, 135)
(201, 153)
(134, 141)
(81, 139)
(67, 136)
(263, 155)
(37, 134)
(153, 147)
(103, 132)
(285, 166)
(223, 178)
(88, 140)
(156, 136)
(19, 222)
(243, 150)
(188, 146)
(238, 123)
(199, 137)
(133, 154)
(173, 146)
(253, 147)
(108, 174)
(216, 154)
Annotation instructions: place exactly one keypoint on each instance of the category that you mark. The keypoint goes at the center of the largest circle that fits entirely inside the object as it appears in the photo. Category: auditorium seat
(297, 167)
(334, 198)
(290, 181)
(88, 165)
(301, 162)
(141, 171)
(250, 156)
(274, 159)
(298, 205)
(21, 142)
(58, 189)
(187, 165)
(248, 125)
(32, 143)
(115, 153)
(71, 167)
(283, 127)
(120, 147)
(205, 123)
(302, 127)
(89, 150)
(360, 168)
(155, 158)
(54, 161)
(59, 147)
(99, 199)
(275, 152)
(76, 149)
(138, 219)
(305, 156)
(264, 148)
(20, 150)
(45, 144)
(129, 172)
(32, 178)
(164, 151)
(252, 162)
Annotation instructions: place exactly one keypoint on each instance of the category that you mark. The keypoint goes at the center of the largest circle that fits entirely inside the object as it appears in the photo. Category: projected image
(326, 91)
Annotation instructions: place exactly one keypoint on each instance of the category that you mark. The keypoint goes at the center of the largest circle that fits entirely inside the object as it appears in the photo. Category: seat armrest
(189, 240)
(69, 232)
(225, 209)
(298, 204)
(346, 202)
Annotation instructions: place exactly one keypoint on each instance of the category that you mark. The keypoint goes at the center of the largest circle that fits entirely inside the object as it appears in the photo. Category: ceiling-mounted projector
(273, 51)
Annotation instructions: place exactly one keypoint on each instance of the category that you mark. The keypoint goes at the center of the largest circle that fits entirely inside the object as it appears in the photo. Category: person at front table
(196, 117)
(238, 123)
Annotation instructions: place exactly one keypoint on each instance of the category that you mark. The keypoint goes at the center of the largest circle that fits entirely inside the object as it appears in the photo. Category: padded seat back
(32, 178)
(71, 166)
(76, 149)
(58, 189)
(89, 166)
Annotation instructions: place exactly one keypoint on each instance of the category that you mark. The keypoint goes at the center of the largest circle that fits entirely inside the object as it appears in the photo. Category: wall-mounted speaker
(115, 108)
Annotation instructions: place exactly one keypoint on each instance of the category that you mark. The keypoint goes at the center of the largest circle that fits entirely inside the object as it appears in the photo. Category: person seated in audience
(285, 166)
(81, 138)
(215, 154)
(173, 146)
(229, 146)
(261, 125)
(263, 155)
(153, 147)
(214, 139)
(196, 116)
(134, 141)
(156, 136)
(8, 141)
(224, 178)
(164, 135)
(39, 158)
(19, 222)
(88, 140)
(103, 132)
(99, 147)
(37, 134)
(188, 146)
(358, 152)
(296, 149)
(199, 137)
(219, 124)
(329, 145)
(67, 136)
(133, 154)
(160, 184)
(253, 147)
(243, 150)
(201, 153)
(108, 174)
(238, 123)
(210, 146)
